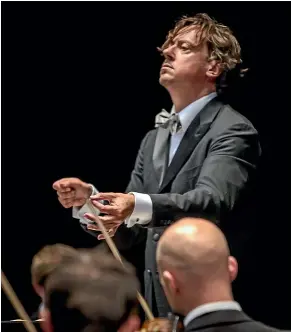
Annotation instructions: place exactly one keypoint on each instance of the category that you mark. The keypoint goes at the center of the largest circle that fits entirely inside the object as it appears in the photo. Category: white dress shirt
(143, 209)
(211, 307)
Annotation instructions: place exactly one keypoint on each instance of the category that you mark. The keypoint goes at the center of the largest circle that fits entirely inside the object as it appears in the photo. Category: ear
(39, 290)
(214, 69)
(232, 267)
(46, 322)
(169, 281)
(132, 324)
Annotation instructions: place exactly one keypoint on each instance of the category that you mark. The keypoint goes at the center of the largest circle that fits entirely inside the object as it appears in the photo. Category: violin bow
(116, 254)
(16, 304)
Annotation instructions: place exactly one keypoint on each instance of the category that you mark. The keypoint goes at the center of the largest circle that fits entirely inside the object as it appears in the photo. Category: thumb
(65, 185)
(62, 186)
(56, 185)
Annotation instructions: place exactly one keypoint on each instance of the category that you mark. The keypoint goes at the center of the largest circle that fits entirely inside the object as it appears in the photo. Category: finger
(91, 227)
(108, 224)
(67, 203)
(109, 219)
(90, 216)
(109, 209)
(67, 195)
(95, 227)
(106, 196)
(61, 185)
(65, 189)
(102, 237)
(66, 200)
(56, 185)
(110, 233)
(66, 186)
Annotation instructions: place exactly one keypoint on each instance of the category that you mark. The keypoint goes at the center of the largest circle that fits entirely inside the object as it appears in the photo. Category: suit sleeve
(136, 180)
(125, 237)
(224, 175)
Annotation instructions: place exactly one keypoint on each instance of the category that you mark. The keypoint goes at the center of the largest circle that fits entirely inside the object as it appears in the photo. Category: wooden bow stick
(116, 254)
(16, 303)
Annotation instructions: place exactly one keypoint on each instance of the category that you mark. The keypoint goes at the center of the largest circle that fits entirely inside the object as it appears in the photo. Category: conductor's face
(186, 62)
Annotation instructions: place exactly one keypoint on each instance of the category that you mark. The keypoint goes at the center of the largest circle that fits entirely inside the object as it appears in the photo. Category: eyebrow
(184, 41)
(181, 41)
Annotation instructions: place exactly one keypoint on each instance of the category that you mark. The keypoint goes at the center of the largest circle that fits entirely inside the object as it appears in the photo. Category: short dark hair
(93, 293)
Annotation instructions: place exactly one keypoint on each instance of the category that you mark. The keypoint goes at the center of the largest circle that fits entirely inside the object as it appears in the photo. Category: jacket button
(156, 237)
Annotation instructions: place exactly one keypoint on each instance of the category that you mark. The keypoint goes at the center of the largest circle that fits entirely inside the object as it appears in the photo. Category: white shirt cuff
(143, 210)
(78, 212)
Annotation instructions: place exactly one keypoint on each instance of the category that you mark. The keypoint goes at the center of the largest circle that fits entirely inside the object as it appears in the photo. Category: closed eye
(185, 46)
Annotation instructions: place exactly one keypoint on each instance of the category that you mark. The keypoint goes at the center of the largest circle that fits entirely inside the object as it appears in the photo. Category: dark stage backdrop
(80, 90)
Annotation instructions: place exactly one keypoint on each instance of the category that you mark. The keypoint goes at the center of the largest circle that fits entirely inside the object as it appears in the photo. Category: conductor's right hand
(72, 192)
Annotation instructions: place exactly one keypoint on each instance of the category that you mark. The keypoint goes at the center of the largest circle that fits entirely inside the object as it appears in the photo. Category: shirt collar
(210, 307)
(188, 114)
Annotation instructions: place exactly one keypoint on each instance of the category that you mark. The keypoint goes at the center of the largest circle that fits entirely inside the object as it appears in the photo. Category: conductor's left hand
(120, 207)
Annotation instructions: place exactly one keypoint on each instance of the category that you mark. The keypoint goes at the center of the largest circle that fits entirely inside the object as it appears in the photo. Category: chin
(165, 80)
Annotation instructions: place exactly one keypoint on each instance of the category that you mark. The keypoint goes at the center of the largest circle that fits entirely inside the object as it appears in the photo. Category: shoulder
(233, 134)
(260, 327)
(229, 117)
(149, 137)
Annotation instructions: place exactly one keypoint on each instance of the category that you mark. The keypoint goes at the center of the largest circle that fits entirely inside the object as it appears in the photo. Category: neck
(182, 96)
(213, 293)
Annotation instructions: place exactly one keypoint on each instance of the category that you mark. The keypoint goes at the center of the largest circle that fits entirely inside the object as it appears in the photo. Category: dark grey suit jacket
(210, 176)
(227, 321)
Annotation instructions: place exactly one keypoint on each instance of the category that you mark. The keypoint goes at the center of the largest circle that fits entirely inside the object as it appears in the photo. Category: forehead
(190, 34)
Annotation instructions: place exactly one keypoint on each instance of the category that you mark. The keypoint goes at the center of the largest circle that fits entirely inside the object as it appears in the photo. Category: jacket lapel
(197, 129)
(217, 318)
(161, 152)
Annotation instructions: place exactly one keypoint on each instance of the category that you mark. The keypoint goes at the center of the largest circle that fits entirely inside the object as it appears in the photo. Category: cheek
(168, 292)
(192, 68)
(164, 285)
(168, 296)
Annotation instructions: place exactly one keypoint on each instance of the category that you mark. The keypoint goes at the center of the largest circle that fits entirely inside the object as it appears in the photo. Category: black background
(80, 90)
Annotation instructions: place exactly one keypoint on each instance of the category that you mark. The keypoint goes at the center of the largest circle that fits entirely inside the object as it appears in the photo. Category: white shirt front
(186, 116)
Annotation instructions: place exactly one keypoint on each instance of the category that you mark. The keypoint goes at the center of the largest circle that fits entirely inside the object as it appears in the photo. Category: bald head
(193, 246)
(194, 264)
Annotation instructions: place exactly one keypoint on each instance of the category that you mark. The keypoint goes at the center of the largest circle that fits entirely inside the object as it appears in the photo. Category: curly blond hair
(222, 44)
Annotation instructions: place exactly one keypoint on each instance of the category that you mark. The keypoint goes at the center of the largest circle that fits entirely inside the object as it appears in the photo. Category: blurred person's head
(195, 265)
(91, 294)
(45, 261)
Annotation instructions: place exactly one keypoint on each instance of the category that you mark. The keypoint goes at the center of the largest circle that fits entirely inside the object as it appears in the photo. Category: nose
(169, 53)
